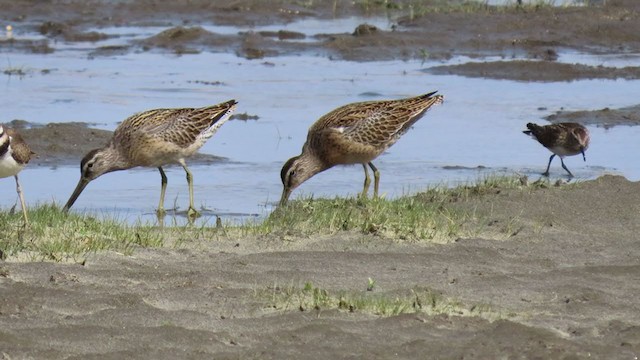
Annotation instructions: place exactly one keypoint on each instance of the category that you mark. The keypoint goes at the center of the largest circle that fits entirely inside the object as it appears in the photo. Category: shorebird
(356, 133)
(152, 139)
(14, 155)
(563, 139)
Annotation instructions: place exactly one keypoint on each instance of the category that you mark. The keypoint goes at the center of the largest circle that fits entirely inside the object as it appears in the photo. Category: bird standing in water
(14, 155)
(356, 133)
(152, 139)
(563, 139)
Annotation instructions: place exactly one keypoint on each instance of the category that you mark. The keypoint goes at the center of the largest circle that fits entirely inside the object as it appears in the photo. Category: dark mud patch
(250, 45)
(432, 30)
(25, 46)
(64, 144)
(283, 35)
(244, 117)
(540, 71)
(187, 40)
(604, 117)
(69, 33)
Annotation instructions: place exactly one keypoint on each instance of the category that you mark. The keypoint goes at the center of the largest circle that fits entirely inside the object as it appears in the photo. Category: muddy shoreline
(562, 284)
(428, 29)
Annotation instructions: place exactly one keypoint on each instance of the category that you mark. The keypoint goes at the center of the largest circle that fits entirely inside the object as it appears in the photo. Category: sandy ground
(568, 277)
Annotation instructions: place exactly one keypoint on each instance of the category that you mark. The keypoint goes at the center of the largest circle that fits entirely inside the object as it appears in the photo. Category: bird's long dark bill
(285, 196)
(583, 155)
(81, 185)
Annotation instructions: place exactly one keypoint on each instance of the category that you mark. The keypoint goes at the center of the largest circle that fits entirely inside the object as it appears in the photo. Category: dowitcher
(563, 139)
(152, 139)
(356, 133)
(14, 155)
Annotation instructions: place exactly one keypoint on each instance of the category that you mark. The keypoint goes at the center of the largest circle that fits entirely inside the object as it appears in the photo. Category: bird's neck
(115, 158)
(312, 163)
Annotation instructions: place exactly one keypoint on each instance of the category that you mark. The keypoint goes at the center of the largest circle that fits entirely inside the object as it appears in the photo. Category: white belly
(562, 152)
(8, 166)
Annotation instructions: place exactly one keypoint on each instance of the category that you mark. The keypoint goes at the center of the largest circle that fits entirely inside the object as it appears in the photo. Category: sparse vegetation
(428, 216)
(435, 215)
(55, 235)
(416, 300)
(417, 8)
(15, 71)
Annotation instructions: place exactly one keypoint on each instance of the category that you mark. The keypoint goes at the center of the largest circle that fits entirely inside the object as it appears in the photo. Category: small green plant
(15, 71)
(371, 284)
(417, 300)
(59, 236)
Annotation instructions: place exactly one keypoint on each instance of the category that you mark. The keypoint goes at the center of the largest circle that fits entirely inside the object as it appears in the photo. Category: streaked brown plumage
(563, 139)
(152, 139)
(355, 133)
(14, 155)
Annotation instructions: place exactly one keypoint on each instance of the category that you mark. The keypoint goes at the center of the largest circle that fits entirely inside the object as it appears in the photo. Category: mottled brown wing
(550, 135)
(21, 151)
(178, 126)
(382, 123)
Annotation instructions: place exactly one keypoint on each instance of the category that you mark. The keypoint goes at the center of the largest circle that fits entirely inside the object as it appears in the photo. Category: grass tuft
(417, 300)
(58, 236)
(439, 214)
(427, 216)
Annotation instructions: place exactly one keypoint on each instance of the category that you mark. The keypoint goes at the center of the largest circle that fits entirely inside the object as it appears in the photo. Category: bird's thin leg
(163, 189)
(192, 212)
(376, 179)
(564, 167)
(367, 182)
(546, 173)
(22, 203)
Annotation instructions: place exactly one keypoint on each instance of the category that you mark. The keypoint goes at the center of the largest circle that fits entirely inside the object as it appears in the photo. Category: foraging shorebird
(563, 139)
(152, 139)
(14, 155)
(355, 133)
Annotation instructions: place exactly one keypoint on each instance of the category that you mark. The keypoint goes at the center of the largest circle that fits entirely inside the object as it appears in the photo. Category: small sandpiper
(14, 155)
(152, 139)
(356, 133)
(563, 139)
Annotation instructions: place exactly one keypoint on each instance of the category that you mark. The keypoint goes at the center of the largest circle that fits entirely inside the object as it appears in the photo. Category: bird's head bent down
(297, 170)
(582, 135)
(96, 163)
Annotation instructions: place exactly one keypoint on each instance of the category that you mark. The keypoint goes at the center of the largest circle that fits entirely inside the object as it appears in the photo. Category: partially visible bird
(14, 155)
(563, 139)
(155, 138)
(355, 133)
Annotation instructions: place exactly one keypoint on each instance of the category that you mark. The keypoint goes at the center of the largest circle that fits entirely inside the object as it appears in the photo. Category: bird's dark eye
(90, 165)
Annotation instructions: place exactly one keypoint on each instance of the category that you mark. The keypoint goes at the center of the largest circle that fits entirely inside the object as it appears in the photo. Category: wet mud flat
(435, 29)
(564, 285)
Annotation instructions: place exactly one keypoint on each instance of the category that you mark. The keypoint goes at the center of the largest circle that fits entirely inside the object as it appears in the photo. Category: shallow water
(479, 125)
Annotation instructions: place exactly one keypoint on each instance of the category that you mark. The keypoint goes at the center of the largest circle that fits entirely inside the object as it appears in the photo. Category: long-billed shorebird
(14, 155)
(563, 139)
(356, 133)
(152, 139)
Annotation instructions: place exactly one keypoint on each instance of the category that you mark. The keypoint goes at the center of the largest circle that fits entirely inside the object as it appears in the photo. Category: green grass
(417, 300)
(439, 214)
(404, 218)
(427, 216)
(55, 235)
